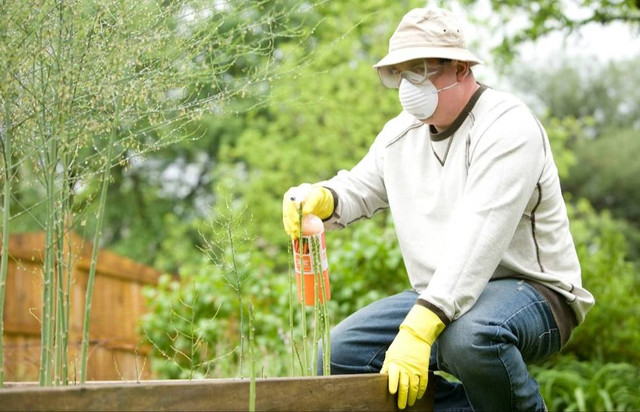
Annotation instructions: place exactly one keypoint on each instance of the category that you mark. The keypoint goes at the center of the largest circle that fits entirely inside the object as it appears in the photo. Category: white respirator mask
(420, 100)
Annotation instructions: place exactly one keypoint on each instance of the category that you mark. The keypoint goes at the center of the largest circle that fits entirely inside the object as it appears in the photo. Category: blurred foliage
(366, 265)
(186, 326)
(583, 88)
(307, 133)
(610, 332)
(607, 173)
(568, 384)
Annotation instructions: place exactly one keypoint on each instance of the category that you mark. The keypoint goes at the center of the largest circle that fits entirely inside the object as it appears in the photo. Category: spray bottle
(314, 283)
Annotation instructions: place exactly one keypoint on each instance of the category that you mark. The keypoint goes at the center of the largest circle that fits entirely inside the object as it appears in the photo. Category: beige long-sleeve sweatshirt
(480, 201)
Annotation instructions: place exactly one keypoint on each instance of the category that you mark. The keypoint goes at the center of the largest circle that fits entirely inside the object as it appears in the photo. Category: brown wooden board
(325, 393)
(117, 349)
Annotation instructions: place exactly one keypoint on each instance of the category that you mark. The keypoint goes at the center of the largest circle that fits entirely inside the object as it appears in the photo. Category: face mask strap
(451, 86)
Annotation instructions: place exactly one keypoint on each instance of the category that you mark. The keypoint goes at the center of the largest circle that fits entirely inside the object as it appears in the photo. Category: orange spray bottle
(312, 263)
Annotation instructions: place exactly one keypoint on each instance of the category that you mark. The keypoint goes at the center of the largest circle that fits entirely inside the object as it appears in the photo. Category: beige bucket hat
(427, 33)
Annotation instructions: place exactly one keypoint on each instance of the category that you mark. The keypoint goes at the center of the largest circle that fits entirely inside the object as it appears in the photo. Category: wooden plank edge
(364, 392)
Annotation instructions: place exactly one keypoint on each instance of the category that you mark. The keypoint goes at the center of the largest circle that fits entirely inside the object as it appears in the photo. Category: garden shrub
(365, 264)
(568, 384)
(610, 332)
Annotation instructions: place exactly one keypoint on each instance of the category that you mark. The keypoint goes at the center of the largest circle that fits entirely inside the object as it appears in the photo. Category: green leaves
(570, 385)
(607, 172)
(365, 264)
(610, 332)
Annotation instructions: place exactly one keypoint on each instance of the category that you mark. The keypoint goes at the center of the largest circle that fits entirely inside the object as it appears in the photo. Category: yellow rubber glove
(315, 200)
(407, 359)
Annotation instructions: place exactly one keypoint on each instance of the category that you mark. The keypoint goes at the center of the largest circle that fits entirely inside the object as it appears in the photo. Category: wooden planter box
(326, 393)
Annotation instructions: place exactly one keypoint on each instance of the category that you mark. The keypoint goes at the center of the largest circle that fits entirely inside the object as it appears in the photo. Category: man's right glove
(315, 200)
(407, 359)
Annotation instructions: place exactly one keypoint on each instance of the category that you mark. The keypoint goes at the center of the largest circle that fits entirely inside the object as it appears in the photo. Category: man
(473, 189)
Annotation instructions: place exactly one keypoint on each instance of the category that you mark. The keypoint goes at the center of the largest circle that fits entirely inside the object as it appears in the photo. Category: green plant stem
(238, 288)
(326, 338)
(6, 211)
(252, 365)
(59, 321)
(303, 309)
(65, 306)
(56, 328)
(94, 252)
(64, 266)
(291, 330)
(317, 269)
(322, 307)
(192, 331)
(46, 337)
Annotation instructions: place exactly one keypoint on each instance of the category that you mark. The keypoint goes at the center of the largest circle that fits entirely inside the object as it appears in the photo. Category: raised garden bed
(325, 393)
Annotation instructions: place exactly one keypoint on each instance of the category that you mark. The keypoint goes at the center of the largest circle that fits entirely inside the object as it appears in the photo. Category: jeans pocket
(547, 344)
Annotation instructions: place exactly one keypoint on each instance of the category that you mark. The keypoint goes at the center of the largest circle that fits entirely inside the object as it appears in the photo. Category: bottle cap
(311, 225)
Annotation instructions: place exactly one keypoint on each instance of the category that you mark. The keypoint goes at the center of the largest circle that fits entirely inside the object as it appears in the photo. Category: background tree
(535, 19)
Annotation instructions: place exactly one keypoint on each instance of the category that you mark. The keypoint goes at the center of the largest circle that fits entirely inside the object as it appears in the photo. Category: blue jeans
(487, 348)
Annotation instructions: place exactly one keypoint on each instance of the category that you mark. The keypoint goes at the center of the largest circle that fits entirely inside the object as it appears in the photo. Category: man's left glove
(315, 200)
(407, 359)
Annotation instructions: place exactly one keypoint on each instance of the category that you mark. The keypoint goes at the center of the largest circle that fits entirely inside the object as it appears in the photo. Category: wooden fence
(116, 351)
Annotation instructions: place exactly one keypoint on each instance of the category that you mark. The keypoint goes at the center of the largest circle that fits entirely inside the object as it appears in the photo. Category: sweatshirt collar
(437, 136)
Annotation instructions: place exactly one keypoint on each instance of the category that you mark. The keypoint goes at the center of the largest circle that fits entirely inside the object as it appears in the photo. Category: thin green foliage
(291, 310)
(323, 321)
(165, 63)
(222, 245)
(303, 308)
(7, 155)
(184, 343)
(94, 252)
(252, 364)
(48, 319)
(62, 302)
(63, 62)
(317, 273)
(224, 279)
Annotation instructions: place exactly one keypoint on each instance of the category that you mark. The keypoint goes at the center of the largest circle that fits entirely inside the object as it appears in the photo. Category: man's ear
(462, 70)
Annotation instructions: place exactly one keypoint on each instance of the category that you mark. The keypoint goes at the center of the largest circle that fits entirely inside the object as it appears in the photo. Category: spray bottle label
(312, 284)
